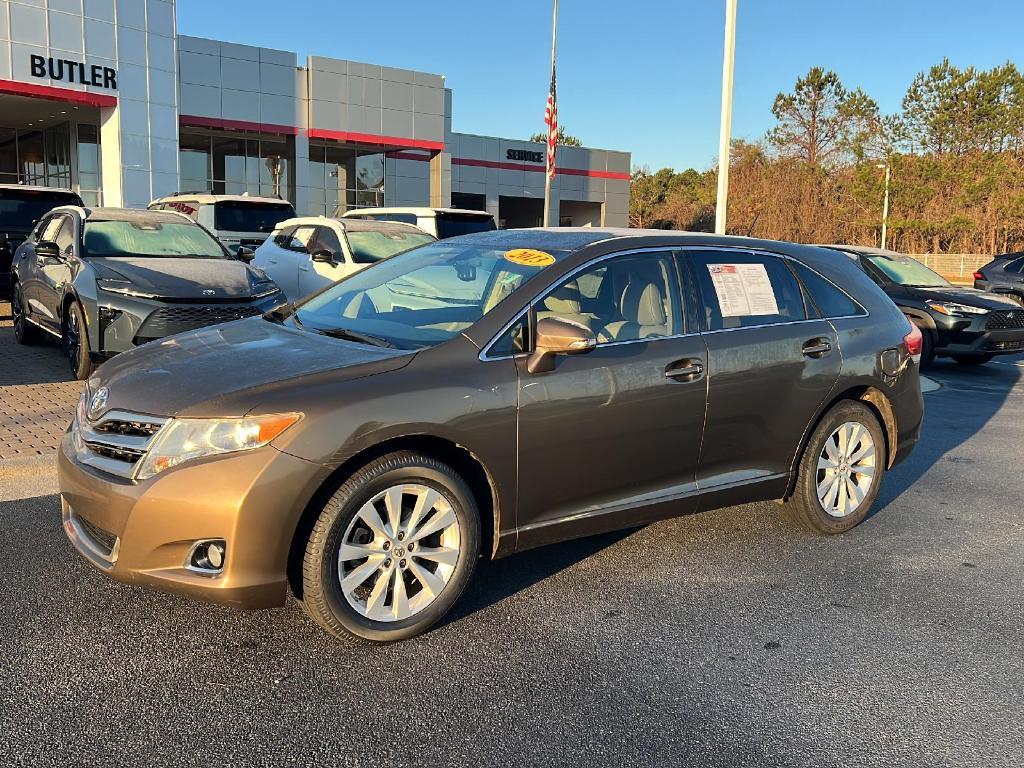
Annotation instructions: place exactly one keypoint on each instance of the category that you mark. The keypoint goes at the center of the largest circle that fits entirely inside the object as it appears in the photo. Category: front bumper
(142, 533)
(973, 336)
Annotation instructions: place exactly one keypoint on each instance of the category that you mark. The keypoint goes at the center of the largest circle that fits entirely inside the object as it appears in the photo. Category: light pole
(725, 129)
(885, 204)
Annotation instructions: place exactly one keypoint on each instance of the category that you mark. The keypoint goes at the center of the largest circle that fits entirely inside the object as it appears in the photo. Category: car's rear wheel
(927, 347)
(972, 359)
(75, 340)
(840, 471)
(392, 549)
(24, 331)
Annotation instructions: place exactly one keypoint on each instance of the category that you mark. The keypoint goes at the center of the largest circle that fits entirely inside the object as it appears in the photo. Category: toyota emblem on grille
(209, 292)
(98, 402)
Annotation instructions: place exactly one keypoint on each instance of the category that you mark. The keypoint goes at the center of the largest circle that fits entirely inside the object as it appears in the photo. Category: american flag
(551, 121)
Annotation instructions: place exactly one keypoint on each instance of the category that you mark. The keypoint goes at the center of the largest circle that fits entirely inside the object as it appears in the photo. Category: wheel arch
(458, 457)
(871, 396)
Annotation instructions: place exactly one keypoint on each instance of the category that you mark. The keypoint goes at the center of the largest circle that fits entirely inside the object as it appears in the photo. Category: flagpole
(547, 170)
(722, 203)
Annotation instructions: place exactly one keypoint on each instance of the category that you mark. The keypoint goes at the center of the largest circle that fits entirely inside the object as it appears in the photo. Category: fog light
(208, 556)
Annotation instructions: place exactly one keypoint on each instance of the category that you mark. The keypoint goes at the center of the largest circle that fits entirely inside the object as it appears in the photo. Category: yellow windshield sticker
(527, 257)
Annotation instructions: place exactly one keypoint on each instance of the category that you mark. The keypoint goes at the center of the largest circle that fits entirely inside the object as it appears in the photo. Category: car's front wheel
(75, 340)
(24, 331)
(840, 471)
(392, 549)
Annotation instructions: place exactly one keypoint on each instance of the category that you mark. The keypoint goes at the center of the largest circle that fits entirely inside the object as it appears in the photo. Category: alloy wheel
(399, 552)
(17, 313)
(72, 338)
(846, 469)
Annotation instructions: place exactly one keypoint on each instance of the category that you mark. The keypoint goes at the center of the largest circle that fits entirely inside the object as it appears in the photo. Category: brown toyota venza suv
(480, 396)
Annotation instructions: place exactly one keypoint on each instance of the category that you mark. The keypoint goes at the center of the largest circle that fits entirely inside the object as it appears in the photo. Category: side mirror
(245, 254)
(558, 336)
(323, 256)
(46, 249)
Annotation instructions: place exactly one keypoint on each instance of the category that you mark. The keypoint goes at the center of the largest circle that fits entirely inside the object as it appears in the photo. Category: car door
(607, 436)
(771, 364)
(293, 255)
(44, 273)
(314, 275)
(277, 261)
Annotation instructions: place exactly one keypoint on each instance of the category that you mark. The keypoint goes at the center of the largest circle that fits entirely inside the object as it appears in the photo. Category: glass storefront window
(194, 160)
(8, 156)
(31, 158)
(236, 163)
(89, 163)
(370, 172)
(340, 174)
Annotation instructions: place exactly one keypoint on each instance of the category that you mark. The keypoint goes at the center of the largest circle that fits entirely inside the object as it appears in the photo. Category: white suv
(439, 222)
(305, 254)
(238, 221)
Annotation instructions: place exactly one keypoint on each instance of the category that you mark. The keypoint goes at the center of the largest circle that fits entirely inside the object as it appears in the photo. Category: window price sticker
(743, 289)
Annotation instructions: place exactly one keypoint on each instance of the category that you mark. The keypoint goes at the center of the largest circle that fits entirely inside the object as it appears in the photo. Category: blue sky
(642, 76)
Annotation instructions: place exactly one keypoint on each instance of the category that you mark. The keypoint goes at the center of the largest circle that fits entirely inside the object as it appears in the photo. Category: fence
(954, 266)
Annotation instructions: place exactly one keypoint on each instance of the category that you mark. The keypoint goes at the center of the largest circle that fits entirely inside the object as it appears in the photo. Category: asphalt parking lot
(726, 638)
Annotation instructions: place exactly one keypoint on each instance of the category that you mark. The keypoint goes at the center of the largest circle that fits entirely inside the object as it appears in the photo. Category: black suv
(1003, 275)
(960, 322)
(105, 280)
(20, 208)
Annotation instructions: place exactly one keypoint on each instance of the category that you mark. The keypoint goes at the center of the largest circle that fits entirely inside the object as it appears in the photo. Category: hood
(964, 295)
(175, 278)
(223, 369)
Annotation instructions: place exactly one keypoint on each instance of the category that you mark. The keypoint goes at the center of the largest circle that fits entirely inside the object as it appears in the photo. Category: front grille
(104, 540)
(1005, 346)
(170, 320)
(1005, 320)
(117, 441)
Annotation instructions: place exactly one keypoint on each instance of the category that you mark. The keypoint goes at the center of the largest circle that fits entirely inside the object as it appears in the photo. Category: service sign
(71, 71)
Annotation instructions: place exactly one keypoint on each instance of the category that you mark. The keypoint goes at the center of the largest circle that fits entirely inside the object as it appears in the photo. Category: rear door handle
(685, 370)
(816, 348)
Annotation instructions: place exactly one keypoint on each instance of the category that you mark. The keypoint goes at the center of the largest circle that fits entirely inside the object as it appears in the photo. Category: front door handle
(816, 347)
(303, 269)
(685, 370)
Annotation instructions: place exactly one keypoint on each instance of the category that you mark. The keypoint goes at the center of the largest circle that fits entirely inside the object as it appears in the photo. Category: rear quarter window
(829, 299)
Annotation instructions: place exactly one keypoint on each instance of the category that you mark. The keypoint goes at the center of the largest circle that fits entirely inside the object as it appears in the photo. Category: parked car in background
(239, 221)
(966, 324)
(305, 254)
(1004, 275)
(20, 208)
(439, 222)
(104, 280)
(367, 450)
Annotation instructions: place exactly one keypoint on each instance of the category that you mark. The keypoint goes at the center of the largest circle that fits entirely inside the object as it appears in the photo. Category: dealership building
(104, 97)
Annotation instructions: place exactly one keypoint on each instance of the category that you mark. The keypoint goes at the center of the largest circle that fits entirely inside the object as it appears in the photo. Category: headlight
(949, 308)
(122, 287)
(181, 440)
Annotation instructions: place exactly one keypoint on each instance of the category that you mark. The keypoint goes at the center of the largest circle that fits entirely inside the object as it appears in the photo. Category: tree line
(955, 151)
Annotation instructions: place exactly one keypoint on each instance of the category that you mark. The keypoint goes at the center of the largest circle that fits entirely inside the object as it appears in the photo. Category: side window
(300, 239)
(829, 299)
(626, 298)
(66, 236)
(1015, 266)
(740, 289)
(284, 237)
(325, 239)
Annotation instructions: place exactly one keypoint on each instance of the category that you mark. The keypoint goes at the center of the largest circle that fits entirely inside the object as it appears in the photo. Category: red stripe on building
(540, 169)
(49, 92)
(372, 138)
(409, 156)
(194, 121)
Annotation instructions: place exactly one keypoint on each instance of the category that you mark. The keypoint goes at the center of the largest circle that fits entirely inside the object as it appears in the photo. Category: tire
(24, 331)
(972, 359)
(75, 340)
(360, 611)
(805, 506)
(927, 347)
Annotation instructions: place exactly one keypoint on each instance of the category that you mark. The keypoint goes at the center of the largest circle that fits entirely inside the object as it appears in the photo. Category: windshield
(368, 247)
(21, 208)
(150, 238)
(424, 296)
(904, 270)
(454, 224)
(244, 216)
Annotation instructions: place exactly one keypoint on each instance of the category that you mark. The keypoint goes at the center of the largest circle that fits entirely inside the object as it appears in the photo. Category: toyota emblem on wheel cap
(98, 402)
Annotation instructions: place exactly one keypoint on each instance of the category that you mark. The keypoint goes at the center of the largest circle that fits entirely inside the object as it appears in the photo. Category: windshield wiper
(350, 335)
